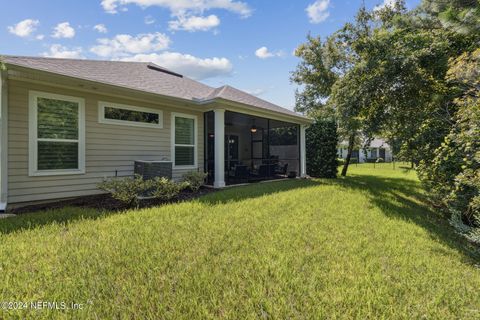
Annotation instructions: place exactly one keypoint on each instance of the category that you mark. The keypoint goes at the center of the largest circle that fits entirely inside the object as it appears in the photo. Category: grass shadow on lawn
(401, 198)
(82, 208)
(405, 199)
(49, 217)
(255, 190)
(70, 214)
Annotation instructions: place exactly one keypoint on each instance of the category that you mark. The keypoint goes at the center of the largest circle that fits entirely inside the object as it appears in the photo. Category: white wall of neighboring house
(373, 151)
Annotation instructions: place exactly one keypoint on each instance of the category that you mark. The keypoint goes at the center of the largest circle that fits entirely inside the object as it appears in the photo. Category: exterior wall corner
(3, 140)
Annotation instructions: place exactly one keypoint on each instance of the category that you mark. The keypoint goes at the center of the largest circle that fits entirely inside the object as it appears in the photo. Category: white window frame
(33, 135)
(195, 138)
(102, 119)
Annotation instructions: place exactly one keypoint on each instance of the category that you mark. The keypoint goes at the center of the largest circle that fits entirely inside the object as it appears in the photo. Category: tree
(460, 16)
(331, 75)
(422, 83)
(405, 95)
(348, 109)
(414, 78)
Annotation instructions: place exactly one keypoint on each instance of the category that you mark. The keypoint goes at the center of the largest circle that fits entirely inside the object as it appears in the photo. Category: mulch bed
(106, 202)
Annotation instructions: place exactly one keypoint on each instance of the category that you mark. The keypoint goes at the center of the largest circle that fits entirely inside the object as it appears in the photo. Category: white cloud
(59, 51)
(191, 66)
(125, 44)
(263, 53)
(100, 28)
(63, 30)
(40, 37)
(386, 3)
(149, 20)
(194, 23)
(318, 11)
(178, 7)
(24, 28)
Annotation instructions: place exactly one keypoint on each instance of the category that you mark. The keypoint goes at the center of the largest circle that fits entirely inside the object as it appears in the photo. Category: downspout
(3, 140)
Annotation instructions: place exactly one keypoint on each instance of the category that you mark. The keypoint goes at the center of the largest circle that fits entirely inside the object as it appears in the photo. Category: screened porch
(254, 148)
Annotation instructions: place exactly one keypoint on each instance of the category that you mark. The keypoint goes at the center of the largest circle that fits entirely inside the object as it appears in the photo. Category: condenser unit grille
(152, 169)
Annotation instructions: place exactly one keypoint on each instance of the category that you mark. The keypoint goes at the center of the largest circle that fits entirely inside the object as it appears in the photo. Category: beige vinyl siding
(108, 147)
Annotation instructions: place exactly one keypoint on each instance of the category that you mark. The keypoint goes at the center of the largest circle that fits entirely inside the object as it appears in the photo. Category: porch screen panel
(284, 148)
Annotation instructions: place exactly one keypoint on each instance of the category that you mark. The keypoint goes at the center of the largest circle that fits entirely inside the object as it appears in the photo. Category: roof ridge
(214, 93)
(254, 97)
(222, 89)
(71, 59)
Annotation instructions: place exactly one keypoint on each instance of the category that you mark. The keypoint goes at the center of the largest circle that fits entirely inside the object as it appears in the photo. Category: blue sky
(247, 44)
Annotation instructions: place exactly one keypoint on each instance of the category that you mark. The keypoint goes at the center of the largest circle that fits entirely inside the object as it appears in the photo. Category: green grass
(365, 246)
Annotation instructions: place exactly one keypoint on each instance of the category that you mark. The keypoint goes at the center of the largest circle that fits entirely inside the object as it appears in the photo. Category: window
(184, 136)
(114, 113)
(56, 134)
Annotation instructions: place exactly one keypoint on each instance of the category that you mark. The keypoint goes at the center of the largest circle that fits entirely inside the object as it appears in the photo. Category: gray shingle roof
(142, 76)
(233, 94)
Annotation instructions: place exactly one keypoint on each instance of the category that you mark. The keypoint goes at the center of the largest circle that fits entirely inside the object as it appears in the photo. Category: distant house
(377, 149)
(66, 124)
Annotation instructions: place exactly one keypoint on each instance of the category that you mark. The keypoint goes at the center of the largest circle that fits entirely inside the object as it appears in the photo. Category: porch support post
(303, 153)
(219, 148)
(3, 140)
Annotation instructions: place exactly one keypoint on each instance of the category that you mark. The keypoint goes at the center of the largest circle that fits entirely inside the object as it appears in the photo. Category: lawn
(365, 246)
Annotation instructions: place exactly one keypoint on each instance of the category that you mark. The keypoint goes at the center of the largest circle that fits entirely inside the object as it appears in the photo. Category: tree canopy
(412, 77)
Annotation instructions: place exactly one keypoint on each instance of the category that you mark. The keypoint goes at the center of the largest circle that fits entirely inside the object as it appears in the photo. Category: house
(377, 149)
(66, 124)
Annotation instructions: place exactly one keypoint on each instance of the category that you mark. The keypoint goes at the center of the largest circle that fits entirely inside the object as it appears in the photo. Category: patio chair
(239, 173)
(265, 170)
(282, 170)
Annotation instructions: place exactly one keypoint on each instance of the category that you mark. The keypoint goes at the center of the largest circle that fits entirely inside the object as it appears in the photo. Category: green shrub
(464, 198)
(438, 175)
(127, 190)
(453, 177)
(165, 189)
(321, 148)
(194, 180)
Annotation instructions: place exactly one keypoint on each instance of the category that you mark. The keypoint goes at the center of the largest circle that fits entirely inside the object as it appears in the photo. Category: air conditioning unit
(152, 169)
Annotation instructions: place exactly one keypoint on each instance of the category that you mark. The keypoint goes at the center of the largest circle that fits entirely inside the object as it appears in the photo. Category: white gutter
(3, 140)
(255, 111)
